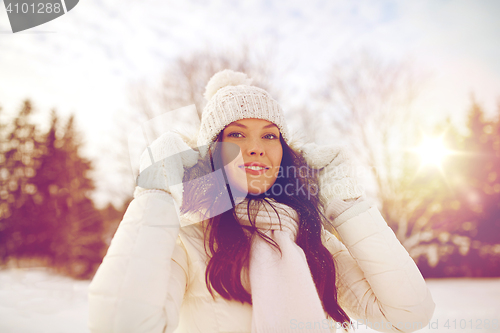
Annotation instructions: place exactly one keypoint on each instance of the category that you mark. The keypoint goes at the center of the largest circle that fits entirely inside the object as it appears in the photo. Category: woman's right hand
(162, 165)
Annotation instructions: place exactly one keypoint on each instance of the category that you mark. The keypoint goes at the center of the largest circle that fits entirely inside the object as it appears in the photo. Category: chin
(256, 193)
(243, 185)
(239, 189)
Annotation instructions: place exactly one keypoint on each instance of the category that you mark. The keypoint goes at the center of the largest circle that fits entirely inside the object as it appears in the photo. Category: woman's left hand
(337, 173)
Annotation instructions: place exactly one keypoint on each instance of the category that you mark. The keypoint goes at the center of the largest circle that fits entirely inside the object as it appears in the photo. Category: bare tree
(371, 104)
(184, 81)
(183, 84)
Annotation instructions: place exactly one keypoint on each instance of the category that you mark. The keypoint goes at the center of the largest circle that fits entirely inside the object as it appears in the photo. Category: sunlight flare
(432, 151)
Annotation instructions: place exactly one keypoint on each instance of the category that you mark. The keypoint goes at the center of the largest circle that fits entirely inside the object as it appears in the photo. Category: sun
(432, 151)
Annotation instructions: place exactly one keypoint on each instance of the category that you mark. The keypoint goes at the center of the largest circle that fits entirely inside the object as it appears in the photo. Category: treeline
(462, 210)
(448, 218)
(46, 214)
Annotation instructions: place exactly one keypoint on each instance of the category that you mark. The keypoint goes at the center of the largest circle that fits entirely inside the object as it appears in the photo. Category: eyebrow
(241, 125)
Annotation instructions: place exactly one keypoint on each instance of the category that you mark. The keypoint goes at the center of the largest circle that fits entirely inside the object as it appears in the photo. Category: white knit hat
(230, 98)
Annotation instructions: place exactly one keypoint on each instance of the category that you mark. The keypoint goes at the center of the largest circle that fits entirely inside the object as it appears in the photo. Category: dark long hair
(228, 243)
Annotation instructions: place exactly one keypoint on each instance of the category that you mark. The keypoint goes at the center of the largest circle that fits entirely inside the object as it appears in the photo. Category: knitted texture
(231, 98)
(281, 283)
(223, 79)
(266, 217)
(337, 176)
(162, 165)
(337, 207)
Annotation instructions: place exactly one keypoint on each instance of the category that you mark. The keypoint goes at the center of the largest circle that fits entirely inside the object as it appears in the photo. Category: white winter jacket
(153, 277)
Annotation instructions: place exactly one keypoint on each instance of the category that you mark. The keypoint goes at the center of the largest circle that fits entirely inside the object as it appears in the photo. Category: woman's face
(256, 168)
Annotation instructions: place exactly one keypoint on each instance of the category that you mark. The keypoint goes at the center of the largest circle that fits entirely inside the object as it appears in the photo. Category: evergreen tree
(4, 194)
(481, 194)
(75, 225)
(19, 229)
(46, 210)
(468, 221)
(84, 223)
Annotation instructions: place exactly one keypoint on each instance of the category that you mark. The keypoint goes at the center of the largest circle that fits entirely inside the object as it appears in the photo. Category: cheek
(278, 156)
(231, 153)
(232, 158)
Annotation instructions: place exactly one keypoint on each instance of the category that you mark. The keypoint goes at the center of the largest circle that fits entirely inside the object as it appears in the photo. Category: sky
(85, 61)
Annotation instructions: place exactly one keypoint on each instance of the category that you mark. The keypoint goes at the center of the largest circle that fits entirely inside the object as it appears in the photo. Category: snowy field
(35, 301)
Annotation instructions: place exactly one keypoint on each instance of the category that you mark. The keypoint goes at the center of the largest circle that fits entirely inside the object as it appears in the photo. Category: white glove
(162, 165)
(337, 179)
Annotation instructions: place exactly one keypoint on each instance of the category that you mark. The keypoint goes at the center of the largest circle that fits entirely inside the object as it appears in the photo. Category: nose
(255, 148)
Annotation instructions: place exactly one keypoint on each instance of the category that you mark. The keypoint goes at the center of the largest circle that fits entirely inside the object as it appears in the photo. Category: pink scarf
(284, 296)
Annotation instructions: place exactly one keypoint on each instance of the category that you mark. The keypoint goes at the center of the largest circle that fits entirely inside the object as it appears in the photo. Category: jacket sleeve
(378, 283)
(141, 282)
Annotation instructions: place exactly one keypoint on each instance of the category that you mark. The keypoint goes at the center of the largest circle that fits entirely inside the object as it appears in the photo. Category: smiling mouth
(253, 167)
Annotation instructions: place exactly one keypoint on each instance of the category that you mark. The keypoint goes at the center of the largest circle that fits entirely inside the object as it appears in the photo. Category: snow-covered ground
(36, 301)
(463, 305)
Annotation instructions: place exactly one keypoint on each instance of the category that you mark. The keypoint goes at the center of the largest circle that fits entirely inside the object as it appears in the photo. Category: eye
(235, 135)
(271, 136)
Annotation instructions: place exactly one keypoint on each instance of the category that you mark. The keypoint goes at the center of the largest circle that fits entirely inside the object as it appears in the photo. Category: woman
(239, 245)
